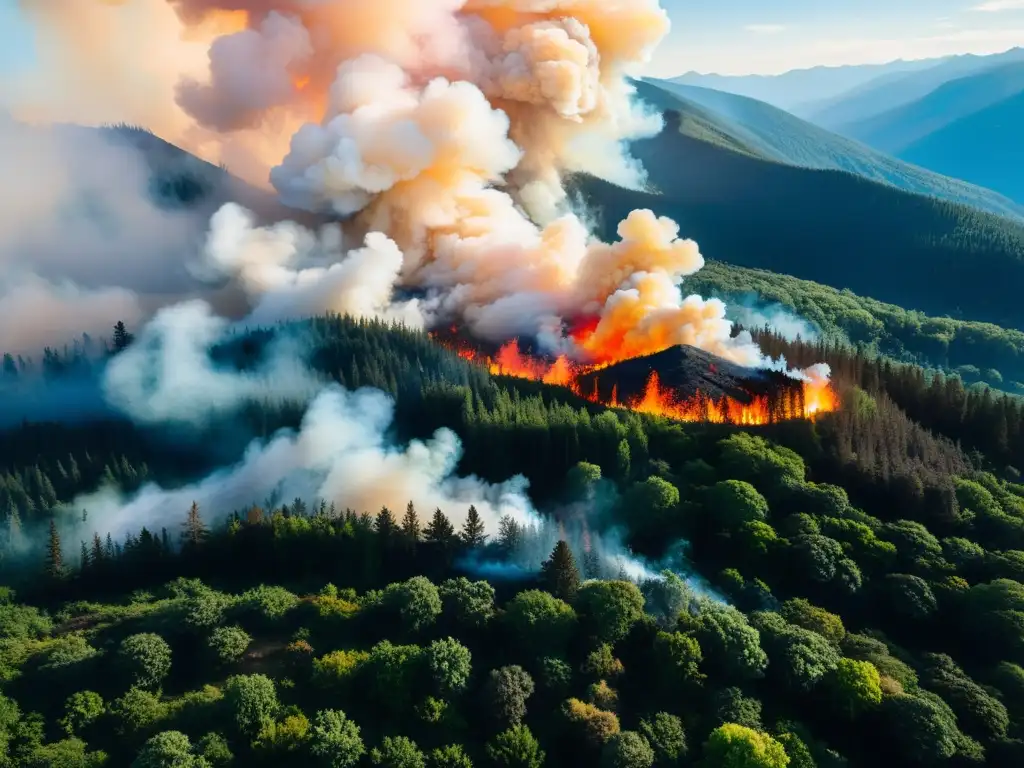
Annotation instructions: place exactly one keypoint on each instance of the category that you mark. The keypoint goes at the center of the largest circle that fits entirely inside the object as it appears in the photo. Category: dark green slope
(895, 130)
(984, 148)
(780, 136)
(831, 227)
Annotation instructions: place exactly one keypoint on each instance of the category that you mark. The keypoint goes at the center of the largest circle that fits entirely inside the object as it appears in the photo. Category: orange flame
(300, 83)
(818, 396)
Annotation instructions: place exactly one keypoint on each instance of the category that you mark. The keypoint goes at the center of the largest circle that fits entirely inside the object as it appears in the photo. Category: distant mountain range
(757, 195)
(799, 87)
(897, 129)
(878, 97)
(764, 131)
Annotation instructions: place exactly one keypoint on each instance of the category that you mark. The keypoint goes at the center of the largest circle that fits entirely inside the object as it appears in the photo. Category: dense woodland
(846, 592)
(974, 351)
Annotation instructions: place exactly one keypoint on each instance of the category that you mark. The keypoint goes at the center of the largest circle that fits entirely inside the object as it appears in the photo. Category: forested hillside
(850, 591)
(975, 351)
(827, 226)
(778, 135)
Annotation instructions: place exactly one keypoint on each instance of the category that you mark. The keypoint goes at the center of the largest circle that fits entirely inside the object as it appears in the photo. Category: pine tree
(54, 556)
(97, 555)
(195, 530)
(121, 336)
(560, 574)
(440, 531)
(411, 526)
(510, 535)
(473, 529)
(591, 564)
(385, 524)
(84, 561)
(109, 549)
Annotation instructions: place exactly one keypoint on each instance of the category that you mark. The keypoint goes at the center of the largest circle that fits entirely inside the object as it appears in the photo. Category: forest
(847, 591)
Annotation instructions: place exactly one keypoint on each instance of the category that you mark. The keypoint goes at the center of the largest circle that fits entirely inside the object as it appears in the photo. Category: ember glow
(817, 395)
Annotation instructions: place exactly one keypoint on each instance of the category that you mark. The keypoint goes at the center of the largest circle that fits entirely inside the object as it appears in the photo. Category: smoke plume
(167, 375)
(341, 453)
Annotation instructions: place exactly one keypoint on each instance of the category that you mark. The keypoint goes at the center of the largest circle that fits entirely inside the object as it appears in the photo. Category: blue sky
(747, 36)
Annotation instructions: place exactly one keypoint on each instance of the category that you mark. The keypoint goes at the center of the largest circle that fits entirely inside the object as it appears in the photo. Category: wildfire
(817, 396)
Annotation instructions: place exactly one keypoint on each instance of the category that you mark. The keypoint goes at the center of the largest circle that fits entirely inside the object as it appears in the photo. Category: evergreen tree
(385, 524)
(560, 574)
(510, 535)
(97, 554)
(591, 564)
(109, 549)
(473, 529)
(440, 531)
(54, 556)
(121, 336)
(83, 557)
(411, 526)
(195, 530)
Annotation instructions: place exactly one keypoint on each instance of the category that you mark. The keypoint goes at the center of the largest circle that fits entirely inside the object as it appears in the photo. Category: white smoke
(288, 272)
(168, 376)
(341, 454)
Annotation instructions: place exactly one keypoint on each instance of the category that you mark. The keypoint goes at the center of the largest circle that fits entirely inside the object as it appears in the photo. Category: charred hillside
(689, 375)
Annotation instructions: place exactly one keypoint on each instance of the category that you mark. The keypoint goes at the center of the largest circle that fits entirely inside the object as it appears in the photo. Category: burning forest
(682, 383)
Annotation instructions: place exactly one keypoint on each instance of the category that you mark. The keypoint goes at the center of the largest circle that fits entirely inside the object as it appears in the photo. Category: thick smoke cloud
(167, 375)
(80, 237)
(341, 454)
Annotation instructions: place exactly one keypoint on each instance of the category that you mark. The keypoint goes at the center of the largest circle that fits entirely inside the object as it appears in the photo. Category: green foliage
(136, 711)
(215, 749)
(539, 620)
(508, 689)
(627, 749)
(393, 670)
(169, 749)
(798, 657)
(450, 756)
(469, 603)
(735, 502)
(664, 732)
(269, 603)
(731, 646)
(735, 746)
(678, 657)
(80, 710)
(335, 740)
(397, 752)
(802, 613)
(856, 686)
(146, 659)
(252, 702)
(608, 609)
(515, 748)
(731, 705)
(416, 603)
(560, 574)
(450, 664)
(228, 644)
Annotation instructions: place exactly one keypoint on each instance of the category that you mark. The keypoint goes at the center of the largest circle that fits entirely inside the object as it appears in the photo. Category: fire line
(818, 397)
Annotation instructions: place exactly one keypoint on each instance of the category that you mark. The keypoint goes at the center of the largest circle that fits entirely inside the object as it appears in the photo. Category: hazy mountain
(984, 148)
(897, 129)
(737, 122)
(830, 226)
(891, 93)
(791, 89)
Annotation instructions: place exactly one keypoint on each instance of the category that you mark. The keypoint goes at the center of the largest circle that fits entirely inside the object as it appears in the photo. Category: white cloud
(765, 29)
(997, 6)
